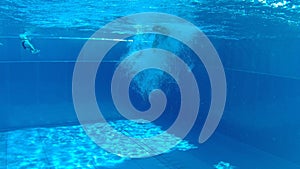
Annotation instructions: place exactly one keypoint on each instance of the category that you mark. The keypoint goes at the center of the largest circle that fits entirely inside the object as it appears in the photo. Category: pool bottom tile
(70, 147)
(3, 150)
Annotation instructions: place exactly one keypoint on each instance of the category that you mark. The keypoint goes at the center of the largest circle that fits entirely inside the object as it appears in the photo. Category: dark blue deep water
(258, 43)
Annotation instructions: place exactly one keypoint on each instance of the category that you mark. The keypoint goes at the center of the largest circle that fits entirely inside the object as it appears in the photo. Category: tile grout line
(262, 73)
(43, 147)
(6, 153)
(162, 161)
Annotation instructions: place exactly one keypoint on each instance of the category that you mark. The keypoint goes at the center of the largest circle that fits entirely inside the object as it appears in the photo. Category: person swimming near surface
(27, 45)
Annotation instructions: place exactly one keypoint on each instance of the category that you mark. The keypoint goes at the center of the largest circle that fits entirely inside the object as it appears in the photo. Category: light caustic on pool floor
(69, 146)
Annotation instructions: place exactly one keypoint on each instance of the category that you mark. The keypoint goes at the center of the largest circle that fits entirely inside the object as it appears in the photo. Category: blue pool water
(257, 42)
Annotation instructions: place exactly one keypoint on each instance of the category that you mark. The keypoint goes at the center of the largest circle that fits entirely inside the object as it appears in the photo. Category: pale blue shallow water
(257, 42)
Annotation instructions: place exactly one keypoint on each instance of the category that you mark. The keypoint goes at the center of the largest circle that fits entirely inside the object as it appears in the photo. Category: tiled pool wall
(263, 79)
(263, 91)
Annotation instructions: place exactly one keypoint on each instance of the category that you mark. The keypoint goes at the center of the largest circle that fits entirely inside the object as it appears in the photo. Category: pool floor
(70, 147)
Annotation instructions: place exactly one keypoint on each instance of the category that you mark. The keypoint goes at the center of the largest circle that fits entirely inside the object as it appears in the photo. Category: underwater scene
(134, 84)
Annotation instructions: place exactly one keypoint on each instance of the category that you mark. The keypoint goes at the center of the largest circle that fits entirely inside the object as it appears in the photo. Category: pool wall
(263, 82)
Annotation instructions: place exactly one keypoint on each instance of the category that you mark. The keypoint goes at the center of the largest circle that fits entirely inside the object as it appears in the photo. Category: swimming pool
(51, 83)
